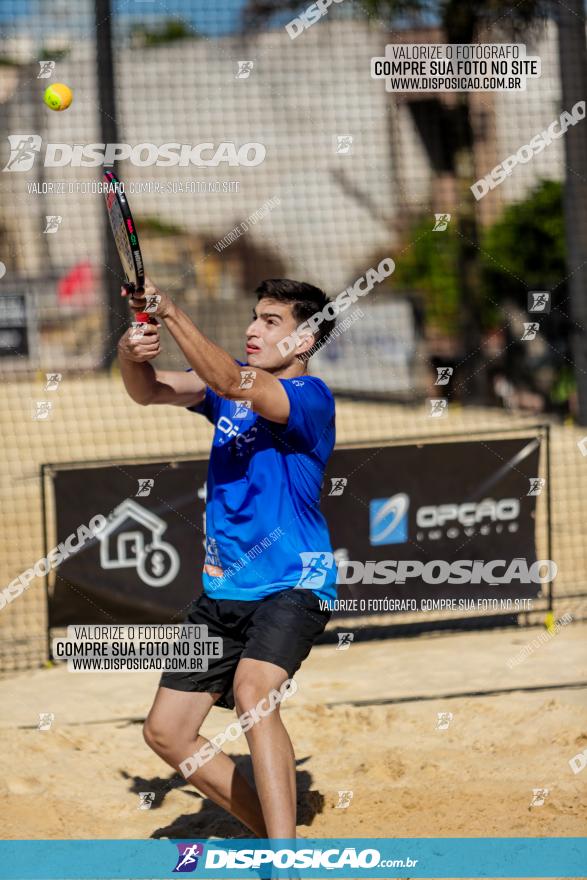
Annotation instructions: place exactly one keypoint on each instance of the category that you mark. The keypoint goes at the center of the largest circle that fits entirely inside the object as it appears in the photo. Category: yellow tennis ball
(58, 96)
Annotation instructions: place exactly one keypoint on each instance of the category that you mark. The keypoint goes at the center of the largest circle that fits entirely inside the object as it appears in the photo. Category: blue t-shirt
(264, 528)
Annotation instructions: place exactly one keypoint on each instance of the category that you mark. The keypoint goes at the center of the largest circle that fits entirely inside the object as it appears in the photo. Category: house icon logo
(133, 539)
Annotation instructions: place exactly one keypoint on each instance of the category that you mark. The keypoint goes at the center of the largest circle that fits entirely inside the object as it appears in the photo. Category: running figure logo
(242, 408)
(530, 331)
(42, 409)
(539, 795)
(441, 222)
(344, 144)
(244, 69)
(539, 301)
(444, 374)
(187, 860)
(47, 68)
(338, 485)
(53, 380)
(46, 719)
(536, 485)
(23, 151)
(52, 223)
(344, 799)
(315, 568)
(247, 379)
(438, 407)
(443, 720)
(146, 800)
(151, 303)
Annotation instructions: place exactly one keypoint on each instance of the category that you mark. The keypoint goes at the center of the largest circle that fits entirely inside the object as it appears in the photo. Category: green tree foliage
(525, 249)
(429, 266)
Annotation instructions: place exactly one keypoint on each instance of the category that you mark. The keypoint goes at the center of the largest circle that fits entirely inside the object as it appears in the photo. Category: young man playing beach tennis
(274, 433)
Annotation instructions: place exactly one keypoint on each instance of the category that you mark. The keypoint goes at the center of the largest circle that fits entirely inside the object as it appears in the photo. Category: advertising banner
(452, 520)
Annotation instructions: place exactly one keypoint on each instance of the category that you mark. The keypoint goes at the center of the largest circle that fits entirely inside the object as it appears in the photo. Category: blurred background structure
(352, 174)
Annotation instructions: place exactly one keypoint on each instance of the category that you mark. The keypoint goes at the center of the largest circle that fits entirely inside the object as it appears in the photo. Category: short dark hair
(305, 300)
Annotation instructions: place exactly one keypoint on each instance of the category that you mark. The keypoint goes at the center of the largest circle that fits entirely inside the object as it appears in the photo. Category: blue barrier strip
(361, 858)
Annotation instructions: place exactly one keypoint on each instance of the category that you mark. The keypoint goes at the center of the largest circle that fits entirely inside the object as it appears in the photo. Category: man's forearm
(139, 379)
(211, 363)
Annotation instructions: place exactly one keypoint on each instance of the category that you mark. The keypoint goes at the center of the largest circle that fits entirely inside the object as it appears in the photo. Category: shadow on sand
(211, 820)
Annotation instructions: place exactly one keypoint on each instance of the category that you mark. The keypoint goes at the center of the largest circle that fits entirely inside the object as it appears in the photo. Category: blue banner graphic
(316, 858)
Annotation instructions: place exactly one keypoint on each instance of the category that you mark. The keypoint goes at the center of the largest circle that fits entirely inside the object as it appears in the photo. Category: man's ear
(306, 342)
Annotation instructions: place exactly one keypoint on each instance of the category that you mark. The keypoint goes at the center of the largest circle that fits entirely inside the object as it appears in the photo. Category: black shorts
(279, 629)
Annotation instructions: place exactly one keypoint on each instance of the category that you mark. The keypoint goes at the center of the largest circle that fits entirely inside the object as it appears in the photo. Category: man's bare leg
(271, 749)
(172, 731)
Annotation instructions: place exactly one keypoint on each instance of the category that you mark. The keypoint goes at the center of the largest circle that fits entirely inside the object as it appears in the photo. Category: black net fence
(254, 148)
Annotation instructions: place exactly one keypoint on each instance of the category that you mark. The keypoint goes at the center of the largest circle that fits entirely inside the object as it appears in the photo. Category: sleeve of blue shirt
(208, 406)
(311, 414)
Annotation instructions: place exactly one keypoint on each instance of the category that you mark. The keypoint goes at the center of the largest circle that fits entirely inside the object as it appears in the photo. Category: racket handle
(141, 317)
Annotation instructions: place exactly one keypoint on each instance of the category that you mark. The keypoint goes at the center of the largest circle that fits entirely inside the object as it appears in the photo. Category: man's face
(272, 321)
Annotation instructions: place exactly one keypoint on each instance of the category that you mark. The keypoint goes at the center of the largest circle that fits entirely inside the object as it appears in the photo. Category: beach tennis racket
(125, 236)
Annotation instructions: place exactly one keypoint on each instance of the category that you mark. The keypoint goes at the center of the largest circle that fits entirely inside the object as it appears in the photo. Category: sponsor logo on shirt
(212, 564)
